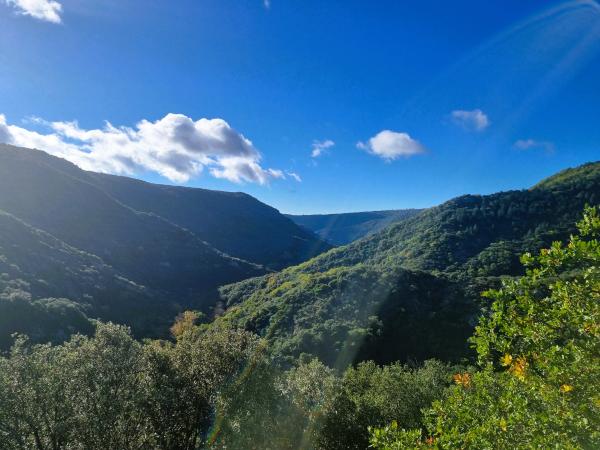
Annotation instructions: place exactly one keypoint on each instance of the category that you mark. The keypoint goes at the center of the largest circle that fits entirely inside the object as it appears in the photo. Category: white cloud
(320, 147)
(47, 10)
(391, 145)
(475, 120)
(295, 176)
(527, 144)
(5, 136)
(175, 147)
(239, 169)
(267, 4)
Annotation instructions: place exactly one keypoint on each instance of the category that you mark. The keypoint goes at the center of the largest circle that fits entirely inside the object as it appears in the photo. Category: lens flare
(544, 51)
(516, 70)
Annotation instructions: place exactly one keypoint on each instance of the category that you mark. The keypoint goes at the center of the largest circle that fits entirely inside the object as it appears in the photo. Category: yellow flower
(519, 367)
(506, 360)
(565, 388)
(464, 379)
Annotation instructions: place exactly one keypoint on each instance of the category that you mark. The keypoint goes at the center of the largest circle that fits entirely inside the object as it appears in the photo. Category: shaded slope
(412, 290)
(55, 196)
(233, 222)
(341, 229)
(36, 269)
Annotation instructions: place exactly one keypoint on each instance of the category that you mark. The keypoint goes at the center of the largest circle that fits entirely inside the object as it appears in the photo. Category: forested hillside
(64, 234)
(534, 384)
(538, 360)
(341, 229)
(233, 222)
(49, 288)
(334, 353)
(412, 290)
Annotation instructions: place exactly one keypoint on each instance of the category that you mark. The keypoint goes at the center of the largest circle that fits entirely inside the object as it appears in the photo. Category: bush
(539, 357)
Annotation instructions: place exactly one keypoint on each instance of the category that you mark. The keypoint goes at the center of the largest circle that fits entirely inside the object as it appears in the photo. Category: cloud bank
(475, 120)
(390, 145)
(320, 147)
(46, 10)
(175, 147)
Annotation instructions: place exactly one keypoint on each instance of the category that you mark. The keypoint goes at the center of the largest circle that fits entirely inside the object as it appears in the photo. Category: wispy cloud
(528, 144)
(295, 176)
(390, 145)
(267, 4)
(320, 147)
(176, 147)
(46, 10)
(474, 120)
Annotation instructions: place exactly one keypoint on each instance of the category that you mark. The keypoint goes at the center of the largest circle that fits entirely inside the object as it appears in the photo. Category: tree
(539, 358)
(184, 381)
(111, 391)
(78, 395)
(374, 395)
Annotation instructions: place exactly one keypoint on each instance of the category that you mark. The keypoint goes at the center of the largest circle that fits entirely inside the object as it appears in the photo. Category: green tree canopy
(539, 357)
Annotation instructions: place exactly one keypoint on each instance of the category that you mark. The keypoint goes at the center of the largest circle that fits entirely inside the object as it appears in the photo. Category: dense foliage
(350, 314)
(341, 229)
(413, 290)
(369, 396)
(539, 358)
(110, 391)
(208, 389)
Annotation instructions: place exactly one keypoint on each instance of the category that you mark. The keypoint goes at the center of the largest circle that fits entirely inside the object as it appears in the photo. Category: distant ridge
(343, 228)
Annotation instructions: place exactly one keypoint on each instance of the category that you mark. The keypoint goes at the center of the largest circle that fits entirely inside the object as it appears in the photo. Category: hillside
(63, 235)
(55, 196)
(233, 222)
(412, 290)
(49, 288)
(341, 229)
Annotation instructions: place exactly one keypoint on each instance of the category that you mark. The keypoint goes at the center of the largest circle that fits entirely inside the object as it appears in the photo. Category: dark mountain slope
(39, 258)
(233, 222)
(412, 290)
(37, 268)
(55, 196)
(341, 229)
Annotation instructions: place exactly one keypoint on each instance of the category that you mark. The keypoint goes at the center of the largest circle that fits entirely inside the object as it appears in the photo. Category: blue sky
(408, 104)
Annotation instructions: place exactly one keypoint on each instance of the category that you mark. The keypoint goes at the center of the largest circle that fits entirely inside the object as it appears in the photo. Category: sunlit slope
(341, 229)
(411, 290)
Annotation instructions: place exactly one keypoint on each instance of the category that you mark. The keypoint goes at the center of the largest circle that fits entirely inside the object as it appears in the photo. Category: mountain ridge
(65, 210)
(367, 299)
(343, 228)
(288, 243)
